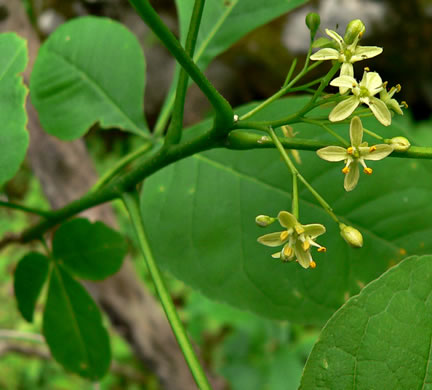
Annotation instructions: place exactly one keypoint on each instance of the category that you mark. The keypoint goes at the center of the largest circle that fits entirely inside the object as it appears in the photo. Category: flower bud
(264, 220)
(400, 144)
(354, 30)
(351, 235)
(313, 22)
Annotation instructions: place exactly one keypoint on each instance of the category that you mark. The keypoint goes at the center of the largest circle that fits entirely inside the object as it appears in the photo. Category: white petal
(272, 239)
(286, 219)
(373, 82)
(379, 153)
(352, 177)
(364, 52)
(380, 110)
(344, 81)
(346, 70)
(334, 35)
(332, 153)
(304, 258)
(356, 131)
(314, 230)
(344, 109)
(325, 54)
(276, 255)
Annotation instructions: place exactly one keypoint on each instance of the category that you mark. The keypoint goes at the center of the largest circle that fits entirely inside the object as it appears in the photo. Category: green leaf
(29, 278)
(72, 326)
(199, 215)
(90, 250)
(224, 22)
(14, 138)
(89, 70)
(380, 339)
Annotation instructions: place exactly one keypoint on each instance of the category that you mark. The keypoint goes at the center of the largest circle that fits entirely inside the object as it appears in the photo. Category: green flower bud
(313, 22)
(264, 220)
(354, 30)
(401, 144)
(351, 235)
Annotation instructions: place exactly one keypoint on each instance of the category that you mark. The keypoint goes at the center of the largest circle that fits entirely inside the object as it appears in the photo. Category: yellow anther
(402, 251)
(322, 249)
(306, 245)
(368, 171)
(366, 68)
(299, 229)
(405, 104)
(398, 87)
(385, 84)
(372, 149)
(345, 170)
(284, 235)
(350, 150)
(287, 251)
(312, 264)
(360, 35)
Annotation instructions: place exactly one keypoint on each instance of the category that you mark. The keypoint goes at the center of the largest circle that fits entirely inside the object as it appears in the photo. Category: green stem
(30, 210)
(224, 114)
(280, 93)
(295, 202)
(131, 201)
(175, 129)
(119, 166)
(290, 72)
(372, 134)
(294, 171)
(328, 129)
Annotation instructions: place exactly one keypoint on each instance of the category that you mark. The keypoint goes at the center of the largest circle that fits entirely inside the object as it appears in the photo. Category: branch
(224, 113)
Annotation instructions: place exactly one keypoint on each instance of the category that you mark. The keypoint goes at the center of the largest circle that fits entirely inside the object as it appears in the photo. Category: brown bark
(65, 171)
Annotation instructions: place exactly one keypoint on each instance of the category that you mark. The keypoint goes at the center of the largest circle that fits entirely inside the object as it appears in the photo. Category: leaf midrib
(93, 84)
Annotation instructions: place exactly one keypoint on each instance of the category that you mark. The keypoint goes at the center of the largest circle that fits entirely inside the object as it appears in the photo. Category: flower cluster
(297, 240)
(347, 52)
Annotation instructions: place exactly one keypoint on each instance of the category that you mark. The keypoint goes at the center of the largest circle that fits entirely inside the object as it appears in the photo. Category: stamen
(398, 87)
(368, 171)
(312, 264)
(322, 249)
(299, 229)
(284, 235)
(385, 84)
(350, 150)
(366, 69)
(287, 251)
(372, 149)
(306, 245)
(345, 170)
(405, 104)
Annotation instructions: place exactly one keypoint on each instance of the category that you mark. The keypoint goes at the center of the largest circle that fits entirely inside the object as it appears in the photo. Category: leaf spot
(346, 296)
(297, 293)
(360, 283)
(162, 188)
(192, 191)
(325, 364)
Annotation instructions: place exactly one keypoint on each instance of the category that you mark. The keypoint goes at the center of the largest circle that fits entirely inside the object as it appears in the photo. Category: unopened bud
(354, 30)
(264, 220)
(400, 144)
(313, 22)
(351, 235)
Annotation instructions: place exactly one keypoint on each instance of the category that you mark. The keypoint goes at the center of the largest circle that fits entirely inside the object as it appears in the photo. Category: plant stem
(118, 167)
(21, 336)
(328, 129)
(224, 114)
(30, 210)
(290, 72)
(295, 202)
(294, 171)
(131, 201)
(175, 129)
(280, 93)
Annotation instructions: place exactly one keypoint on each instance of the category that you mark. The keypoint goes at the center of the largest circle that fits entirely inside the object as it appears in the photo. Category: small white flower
(363, 92)
(357, 153)
(297, 240)
(346, 53)
(387, 98)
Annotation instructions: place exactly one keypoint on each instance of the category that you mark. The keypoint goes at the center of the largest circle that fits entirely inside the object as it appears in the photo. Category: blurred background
(249, 352)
